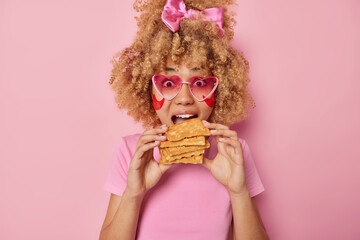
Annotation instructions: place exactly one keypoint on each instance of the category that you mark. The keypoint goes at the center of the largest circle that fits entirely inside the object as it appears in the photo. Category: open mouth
(182, 117)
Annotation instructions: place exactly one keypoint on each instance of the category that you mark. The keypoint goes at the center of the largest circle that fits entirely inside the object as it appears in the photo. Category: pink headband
(175, 10)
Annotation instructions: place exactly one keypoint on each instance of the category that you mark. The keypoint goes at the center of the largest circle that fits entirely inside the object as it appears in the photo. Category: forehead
(183, 63)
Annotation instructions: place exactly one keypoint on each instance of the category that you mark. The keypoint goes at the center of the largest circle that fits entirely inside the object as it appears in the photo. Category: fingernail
(212, 131)
(156, 142)
(163, 137)
(222, 139)
(205, 122)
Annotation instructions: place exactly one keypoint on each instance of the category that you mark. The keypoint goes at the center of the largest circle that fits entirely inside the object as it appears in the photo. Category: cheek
(210, 101)
(158, 104)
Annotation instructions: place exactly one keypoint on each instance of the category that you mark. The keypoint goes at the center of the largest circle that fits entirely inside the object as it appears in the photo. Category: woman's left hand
(228, 165)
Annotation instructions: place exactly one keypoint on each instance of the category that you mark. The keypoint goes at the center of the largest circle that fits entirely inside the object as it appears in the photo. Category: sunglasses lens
(167, 87)
(202, 88)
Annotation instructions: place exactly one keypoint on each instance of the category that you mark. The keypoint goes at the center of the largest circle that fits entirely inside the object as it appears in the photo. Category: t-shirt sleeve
(117, 173)
(253, 181)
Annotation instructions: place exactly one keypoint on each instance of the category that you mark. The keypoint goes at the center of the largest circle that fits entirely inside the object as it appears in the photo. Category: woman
(181, 44)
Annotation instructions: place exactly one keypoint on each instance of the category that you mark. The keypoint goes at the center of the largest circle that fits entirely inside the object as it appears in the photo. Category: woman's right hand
(144, 171)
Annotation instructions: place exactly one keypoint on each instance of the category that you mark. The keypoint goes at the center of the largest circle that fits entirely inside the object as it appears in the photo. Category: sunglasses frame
(188, 84)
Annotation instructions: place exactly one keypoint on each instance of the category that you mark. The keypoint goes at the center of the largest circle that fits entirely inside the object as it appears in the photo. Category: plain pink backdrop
(59, 123)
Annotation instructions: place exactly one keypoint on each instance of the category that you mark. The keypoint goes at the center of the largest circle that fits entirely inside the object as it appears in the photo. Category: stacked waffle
(186, 143)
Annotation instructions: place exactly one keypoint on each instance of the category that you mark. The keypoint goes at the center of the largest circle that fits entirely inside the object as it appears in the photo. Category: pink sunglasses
(169, 87)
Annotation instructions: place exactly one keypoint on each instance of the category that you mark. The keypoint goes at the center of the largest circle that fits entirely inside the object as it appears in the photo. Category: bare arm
(246, 218)
(144, 172)
(121, 218)
(228, 168)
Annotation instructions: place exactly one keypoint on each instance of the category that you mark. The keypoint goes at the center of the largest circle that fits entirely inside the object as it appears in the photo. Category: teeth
(185, 116)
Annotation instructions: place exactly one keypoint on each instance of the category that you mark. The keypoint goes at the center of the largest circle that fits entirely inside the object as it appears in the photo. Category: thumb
(164, 167)
(207, 163)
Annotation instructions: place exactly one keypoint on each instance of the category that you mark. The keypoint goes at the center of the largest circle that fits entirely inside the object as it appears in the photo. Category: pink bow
(175, 10)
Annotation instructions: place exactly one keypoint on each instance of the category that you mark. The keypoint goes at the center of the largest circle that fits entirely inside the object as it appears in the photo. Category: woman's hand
(144, 172)
(228, 165)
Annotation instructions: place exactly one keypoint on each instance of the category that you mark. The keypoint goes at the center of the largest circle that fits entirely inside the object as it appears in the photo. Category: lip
(181, 113)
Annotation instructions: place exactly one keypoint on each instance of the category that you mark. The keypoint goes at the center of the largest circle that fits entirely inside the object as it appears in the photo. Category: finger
(149, 139)
(140, 158)
(144, 139)
(225, 133)
(214, 125)
(236, 146)
(146, 147)
(234, 143)
(156, 131)
(207, 163)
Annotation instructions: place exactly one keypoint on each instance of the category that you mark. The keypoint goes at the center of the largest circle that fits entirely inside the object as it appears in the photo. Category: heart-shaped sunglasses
(169, 87)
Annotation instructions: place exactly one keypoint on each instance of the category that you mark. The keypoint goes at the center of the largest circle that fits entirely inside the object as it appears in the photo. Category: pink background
(59, 122)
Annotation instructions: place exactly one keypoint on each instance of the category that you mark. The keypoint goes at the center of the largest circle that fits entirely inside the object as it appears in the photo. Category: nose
(184, 97)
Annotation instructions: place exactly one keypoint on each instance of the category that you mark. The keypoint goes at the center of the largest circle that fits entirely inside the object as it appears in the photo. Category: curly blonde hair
(196, 42)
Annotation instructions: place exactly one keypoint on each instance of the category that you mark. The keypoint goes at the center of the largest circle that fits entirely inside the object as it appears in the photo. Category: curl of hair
(196, 42)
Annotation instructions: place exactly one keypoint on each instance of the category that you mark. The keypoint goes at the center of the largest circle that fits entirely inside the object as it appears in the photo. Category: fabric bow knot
(175, 10)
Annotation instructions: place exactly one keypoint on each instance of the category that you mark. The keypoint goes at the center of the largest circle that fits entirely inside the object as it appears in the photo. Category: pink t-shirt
(187, 202)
